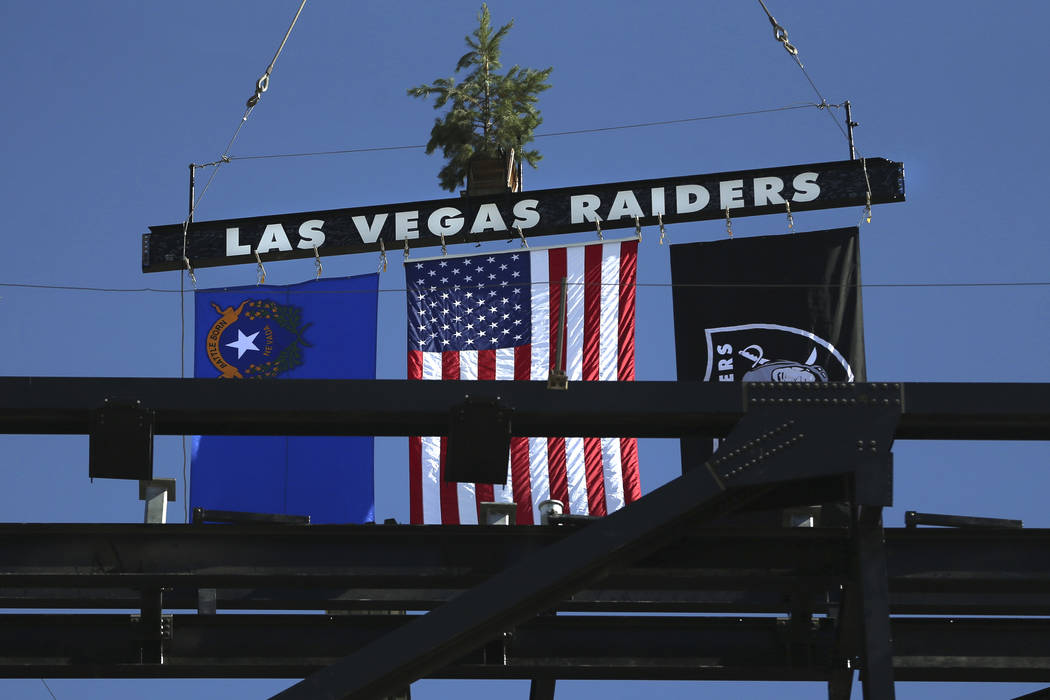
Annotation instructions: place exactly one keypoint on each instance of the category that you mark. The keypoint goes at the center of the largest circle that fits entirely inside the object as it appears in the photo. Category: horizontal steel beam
(401, 407)
(329, 567)
(575, 647)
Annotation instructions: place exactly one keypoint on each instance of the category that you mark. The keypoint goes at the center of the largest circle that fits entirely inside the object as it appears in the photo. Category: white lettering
(690, 198)
(273, 238)
(767, 191)
(806, 187)
(731, 194)
(488, 219)
(526, 213)
(406, 225)
(369, 233)
(233, 243)
(310, 234)
(624, 204)
(657, 197)
(446, 220)
(582, 207)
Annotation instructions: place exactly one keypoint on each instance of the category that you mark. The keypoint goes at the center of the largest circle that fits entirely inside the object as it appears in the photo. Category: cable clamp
(867, 194)
(261, 86)
(729, 224)
(598, 227)
(382, 256)
(663, 232)
(260, 270)
(781, 35)
(189, 269)
(406, 249)
(791, 219)
(521, 234)
(444, 250)
(317, 263)
(637, 228)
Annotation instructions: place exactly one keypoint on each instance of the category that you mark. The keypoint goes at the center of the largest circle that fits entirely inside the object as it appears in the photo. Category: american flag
(496, 316)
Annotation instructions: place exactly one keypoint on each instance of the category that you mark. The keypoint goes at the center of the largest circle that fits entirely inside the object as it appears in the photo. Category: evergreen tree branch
(489, 113)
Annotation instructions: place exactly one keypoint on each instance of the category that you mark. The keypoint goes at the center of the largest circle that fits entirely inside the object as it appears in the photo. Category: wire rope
(572, 132)
(865, 285)
(261, 86)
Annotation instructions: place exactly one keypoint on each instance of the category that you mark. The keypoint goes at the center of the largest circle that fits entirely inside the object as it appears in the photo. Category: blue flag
(323, 329)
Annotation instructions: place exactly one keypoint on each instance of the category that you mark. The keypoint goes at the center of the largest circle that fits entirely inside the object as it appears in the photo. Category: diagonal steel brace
(788, 434)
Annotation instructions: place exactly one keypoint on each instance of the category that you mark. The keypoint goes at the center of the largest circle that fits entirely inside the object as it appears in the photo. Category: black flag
(783, 308)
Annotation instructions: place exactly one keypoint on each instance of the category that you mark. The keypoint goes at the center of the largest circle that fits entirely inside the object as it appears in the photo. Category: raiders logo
(769, 352)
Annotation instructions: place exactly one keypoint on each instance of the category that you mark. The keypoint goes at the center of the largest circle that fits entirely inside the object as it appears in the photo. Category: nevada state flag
(322, 329)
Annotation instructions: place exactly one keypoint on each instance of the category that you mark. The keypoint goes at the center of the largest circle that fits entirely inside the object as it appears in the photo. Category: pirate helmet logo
(768, 352)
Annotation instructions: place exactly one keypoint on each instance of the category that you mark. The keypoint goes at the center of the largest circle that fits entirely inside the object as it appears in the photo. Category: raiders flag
(783, 308)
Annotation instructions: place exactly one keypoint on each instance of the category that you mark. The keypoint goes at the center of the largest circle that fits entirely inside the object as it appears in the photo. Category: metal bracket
(911, 519)
(800, 431)
(201, 516)
(558, 380)
(154, 626)
(478, 441)
(121, 441)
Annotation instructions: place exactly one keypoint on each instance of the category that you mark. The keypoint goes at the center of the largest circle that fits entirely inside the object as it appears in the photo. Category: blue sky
(105, 105)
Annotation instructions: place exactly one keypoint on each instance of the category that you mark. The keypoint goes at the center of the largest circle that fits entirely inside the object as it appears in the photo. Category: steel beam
(872, 600)
(931, 571)
(512, 596)
(395, 407)
(788, 435)
(542, 688)
(569, 647)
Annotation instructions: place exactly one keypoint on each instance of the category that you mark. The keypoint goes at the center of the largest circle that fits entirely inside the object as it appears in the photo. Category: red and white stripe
(591, 475)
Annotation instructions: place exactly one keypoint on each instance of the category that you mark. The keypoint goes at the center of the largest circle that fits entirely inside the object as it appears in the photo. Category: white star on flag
(243, 343)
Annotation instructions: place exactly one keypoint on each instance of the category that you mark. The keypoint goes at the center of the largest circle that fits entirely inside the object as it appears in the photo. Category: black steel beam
(1003, 601)
(519, 592)
(567, 647)
(316, 567)
(542, 688)
(870, 588)
(913, 519)
(789, 435)
(397, 407)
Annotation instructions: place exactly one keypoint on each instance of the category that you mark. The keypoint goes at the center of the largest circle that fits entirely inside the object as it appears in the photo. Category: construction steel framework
(725, 599)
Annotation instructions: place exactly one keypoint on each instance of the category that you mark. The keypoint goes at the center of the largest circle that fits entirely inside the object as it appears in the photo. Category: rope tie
(260, 270)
